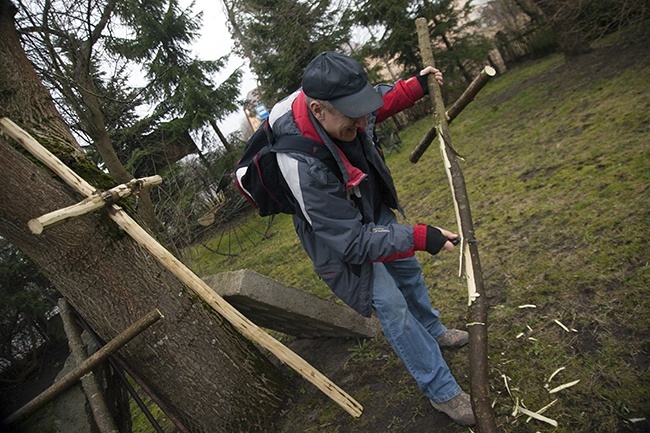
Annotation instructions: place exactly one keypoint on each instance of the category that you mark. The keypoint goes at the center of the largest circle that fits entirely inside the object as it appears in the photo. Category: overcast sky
(216, 42)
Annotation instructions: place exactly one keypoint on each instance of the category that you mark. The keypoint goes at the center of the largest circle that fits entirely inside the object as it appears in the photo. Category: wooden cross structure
(96, 200)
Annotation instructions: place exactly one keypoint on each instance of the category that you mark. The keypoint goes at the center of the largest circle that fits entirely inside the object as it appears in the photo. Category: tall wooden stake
(89, 382)
(477, 310)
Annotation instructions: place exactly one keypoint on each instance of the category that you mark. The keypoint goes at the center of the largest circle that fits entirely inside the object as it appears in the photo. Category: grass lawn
(557, 170)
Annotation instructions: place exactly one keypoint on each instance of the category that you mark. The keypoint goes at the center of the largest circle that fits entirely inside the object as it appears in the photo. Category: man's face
(336, 124)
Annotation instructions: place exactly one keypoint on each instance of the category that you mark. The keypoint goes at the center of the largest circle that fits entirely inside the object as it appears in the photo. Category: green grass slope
(557, 170)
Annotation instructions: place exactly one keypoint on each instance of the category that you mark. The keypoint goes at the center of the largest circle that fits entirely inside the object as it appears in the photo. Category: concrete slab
(270, 304)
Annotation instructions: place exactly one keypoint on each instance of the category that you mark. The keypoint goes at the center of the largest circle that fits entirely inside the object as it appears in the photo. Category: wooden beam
(468, 96)
(99, 409)
(83, 368)
(184, 274)
(92, 203)
(477, 310)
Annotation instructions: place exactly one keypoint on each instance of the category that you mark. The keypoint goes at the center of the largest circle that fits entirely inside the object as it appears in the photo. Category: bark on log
(477, 310)
(84, 367)
(468, 96)
(207, 373)
(95, 396)
(240, 322)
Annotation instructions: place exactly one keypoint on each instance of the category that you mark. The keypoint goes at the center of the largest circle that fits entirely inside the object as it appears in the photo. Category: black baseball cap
(341, 80)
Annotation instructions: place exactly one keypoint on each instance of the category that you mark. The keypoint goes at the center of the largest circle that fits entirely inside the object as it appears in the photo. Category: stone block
(272, 305)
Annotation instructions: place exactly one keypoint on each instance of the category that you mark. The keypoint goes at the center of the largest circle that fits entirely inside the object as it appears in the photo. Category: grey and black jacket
(335, 221)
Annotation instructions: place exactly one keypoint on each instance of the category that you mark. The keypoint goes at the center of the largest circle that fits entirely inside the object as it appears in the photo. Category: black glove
(435, 240)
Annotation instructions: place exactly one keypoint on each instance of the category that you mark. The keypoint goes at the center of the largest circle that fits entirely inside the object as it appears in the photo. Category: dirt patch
(373, 375)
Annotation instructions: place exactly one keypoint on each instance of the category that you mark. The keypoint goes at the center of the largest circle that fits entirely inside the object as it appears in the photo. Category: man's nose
(360, 122)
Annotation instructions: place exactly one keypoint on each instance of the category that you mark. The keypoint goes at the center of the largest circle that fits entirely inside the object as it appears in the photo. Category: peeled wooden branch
(477, 310)
(98, 407)
(83, 368)
(468, 96)
(92, 203)
(240, 322)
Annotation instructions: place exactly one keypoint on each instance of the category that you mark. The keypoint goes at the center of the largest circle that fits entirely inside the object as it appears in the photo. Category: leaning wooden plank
(240, 322)
(42, 154)
(98, 407)
(83, 368)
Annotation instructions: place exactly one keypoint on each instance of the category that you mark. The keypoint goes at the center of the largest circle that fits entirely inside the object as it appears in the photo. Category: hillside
(557, 169)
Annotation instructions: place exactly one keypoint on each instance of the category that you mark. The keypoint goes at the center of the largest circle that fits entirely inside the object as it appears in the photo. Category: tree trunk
(90, 113)
(212, 378)
(222, 137)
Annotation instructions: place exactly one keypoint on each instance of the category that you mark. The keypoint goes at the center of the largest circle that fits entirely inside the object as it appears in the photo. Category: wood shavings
(544, 409)
(537, 416)
(475, 323)
(565, 386)
(505, 380)
(553, 374)
(562, 325)
(515, 410)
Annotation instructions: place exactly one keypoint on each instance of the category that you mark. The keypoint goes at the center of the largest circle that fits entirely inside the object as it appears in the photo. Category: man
(345, 220)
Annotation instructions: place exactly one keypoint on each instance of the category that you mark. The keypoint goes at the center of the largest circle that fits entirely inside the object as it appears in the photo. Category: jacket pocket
(347, 282)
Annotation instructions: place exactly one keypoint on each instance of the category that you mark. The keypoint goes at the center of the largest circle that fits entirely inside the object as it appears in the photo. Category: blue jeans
(401, 301)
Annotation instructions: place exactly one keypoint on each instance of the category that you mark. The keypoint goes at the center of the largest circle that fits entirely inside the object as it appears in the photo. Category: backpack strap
(309, 147)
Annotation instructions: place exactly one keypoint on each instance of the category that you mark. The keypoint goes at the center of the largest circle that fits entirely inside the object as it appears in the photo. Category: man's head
(342, 83)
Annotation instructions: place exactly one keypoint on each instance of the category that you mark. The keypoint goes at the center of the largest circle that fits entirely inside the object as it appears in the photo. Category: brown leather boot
(453, 338)
(458, 408)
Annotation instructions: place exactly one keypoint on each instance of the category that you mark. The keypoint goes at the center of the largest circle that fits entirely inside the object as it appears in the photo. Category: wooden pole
(83, 368)
(122, 369)
(92, 203)
(240, 322)
(101, 414)
(468, 96)
(477, 310)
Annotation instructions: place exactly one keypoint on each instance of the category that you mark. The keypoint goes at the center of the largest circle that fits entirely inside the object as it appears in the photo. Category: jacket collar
(310, 128)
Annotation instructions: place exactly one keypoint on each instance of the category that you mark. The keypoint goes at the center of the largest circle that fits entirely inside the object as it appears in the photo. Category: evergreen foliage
(25, 328)
(279, 37)
(114, 42)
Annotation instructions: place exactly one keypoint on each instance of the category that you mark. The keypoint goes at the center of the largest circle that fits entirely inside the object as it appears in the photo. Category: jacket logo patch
(380, 230)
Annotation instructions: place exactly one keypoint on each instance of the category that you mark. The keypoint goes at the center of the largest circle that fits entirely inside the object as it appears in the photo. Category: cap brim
(359, 104)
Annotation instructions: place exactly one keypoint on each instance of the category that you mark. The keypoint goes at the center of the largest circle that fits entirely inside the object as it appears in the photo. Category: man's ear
(317, 109)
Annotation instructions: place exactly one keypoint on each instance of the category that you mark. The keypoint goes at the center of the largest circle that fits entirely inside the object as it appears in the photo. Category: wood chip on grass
(565, 386)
